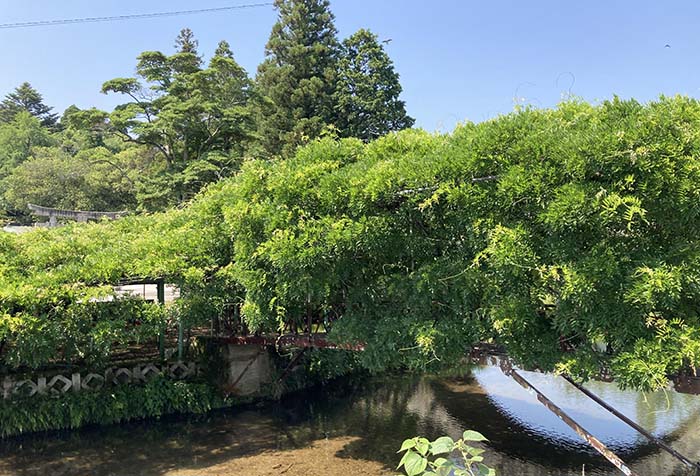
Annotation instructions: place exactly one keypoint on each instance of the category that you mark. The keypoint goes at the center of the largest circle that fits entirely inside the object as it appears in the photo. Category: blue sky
(458, 60)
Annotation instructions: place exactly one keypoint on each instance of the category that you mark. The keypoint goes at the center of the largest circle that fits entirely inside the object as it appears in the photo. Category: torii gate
(77, 215)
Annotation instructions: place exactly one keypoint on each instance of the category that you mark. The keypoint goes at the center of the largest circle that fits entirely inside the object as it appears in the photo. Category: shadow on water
(371, 417)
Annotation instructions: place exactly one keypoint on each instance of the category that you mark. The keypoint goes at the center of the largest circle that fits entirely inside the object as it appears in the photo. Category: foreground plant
(416, 460)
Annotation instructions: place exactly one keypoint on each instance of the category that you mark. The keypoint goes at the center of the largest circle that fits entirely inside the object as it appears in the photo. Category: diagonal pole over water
(659, 442)
(598, 445)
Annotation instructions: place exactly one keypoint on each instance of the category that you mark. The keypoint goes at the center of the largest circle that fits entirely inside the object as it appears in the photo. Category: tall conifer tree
(367, 96)
(297, 78)
(26, 98)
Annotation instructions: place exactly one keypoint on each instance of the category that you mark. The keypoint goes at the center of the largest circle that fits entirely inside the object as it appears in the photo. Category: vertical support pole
(160, 291)
(160, 284)
(68, 356)
(180, 338)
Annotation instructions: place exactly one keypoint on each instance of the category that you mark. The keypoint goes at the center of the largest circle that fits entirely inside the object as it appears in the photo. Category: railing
(90, 381)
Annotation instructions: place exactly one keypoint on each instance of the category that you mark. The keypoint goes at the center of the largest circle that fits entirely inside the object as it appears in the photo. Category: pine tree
(26, 98)
(186, 42)
(223, 50)
(186, 60)
(367, 95)
(297, 78)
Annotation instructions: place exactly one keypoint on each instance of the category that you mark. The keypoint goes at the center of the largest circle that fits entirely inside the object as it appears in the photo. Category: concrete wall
(248, 369)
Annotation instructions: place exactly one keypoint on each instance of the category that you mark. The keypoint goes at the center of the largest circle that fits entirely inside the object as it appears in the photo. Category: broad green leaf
(414, 463)
(475, 451)
(443, 466)
(471, 435)
(442, 445)
(422, 445)
(486, 471)
(404, 458)
(407, 445)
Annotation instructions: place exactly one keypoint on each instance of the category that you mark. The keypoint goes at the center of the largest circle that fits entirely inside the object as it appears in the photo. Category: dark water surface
(371, 417)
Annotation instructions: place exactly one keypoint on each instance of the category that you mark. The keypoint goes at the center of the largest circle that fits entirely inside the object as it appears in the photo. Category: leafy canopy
(196, 119)
(569, 236)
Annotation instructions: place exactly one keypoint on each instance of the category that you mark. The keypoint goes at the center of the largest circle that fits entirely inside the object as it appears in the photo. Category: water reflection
(661, 413)
(355, 427)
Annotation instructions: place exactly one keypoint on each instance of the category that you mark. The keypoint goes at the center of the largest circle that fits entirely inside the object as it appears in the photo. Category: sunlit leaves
(417, 461)
(579, 250)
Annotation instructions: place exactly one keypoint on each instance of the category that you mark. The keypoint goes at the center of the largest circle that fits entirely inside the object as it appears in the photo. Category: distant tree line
(187, 122)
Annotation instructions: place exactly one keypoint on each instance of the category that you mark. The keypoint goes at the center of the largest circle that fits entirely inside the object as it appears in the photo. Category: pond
(355, 426)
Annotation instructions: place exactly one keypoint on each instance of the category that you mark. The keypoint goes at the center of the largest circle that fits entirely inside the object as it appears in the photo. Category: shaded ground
(320, 458)
(225, 443)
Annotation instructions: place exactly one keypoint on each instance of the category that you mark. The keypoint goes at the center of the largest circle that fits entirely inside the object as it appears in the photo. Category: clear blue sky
(458, 59)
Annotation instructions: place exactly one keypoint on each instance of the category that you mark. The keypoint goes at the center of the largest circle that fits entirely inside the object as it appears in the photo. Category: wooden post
(180, 338)
(160, 287)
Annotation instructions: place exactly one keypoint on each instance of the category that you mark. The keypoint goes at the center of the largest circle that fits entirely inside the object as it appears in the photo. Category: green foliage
(297, 78)
(417, 460)
(196, 120)
(92, 179)
(186, 124)
(367, 94)
(17, 138)
(156, 398)
(50, 280)
(569, 236)
(533, 230)
(26, 99)
(75, 168)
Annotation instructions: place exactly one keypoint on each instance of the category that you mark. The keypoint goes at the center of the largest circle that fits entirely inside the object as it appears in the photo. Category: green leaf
(471, 435)
(422, 445)
(442, 445)
(407, 445)
(413, 463)
(486, 471)
(443, 466)
(405, 457)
